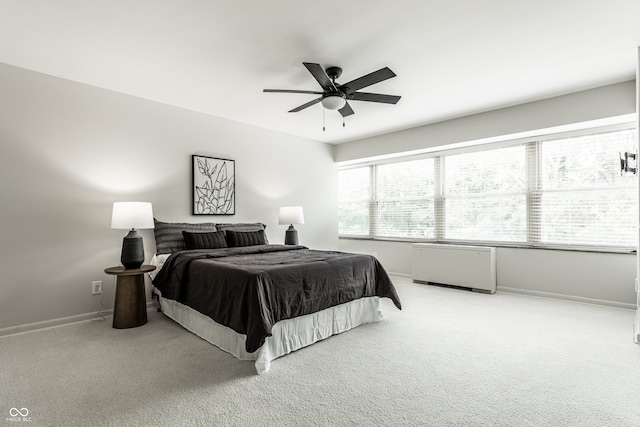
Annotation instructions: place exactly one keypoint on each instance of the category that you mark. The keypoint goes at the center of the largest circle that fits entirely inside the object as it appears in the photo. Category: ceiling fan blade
(346, 110)
(312, 92)
(320, 75)
(308, 104)
(374, 97)
(368, 80)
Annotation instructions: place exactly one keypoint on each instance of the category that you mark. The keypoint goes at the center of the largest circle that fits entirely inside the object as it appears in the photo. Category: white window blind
(404, 200)
(582, 198)
(354, 196)
(485, 196)
(561, 193)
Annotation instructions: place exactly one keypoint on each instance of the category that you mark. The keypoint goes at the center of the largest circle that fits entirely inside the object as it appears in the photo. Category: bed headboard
(169, 236)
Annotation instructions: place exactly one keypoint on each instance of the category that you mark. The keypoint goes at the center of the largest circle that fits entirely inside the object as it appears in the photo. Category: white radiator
(467, 266)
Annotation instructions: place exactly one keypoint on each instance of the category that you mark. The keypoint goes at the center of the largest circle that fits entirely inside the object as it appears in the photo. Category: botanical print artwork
(213, 186)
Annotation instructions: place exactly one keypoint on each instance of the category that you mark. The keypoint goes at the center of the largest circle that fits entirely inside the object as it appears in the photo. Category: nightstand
(130, 308)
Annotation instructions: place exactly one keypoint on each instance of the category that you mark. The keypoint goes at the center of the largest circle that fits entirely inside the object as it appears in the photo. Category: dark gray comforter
(249, 289)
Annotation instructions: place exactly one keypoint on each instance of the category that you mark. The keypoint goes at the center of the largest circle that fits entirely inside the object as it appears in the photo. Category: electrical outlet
(96, 287)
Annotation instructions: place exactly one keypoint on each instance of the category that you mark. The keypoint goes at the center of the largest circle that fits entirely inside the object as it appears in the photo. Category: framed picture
(214, 186)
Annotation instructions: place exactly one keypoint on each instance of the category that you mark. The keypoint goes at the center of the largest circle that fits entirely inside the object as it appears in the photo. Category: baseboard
(403, 275)
(64, 321)
(584, 300)
(636, 334)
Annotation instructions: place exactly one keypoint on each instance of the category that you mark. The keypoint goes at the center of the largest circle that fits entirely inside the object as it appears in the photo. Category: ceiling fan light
(333, 101)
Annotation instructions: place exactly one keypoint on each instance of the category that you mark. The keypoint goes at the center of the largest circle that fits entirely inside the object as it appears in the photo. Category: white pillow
(158, 261)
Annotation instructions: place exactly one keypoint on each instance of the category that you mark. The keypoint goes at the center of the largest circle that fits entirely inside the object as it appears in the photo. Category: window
(354, 195)
(485, 195)
(584, 199)
(404, 199)
(565, 192)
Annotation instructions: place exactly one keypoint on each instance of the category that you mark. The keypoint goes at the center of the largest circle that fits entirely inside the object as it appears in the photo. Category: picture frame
(213, 186)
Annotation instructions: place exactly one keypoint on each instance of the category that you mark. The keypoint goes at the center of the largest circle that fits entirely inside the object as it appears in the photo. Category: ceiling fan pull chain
(323, 120)
(343, 121)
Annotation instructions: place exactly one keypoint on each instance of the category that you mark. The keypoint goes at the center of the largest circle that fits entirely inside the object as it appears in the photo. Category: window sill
(612, 250)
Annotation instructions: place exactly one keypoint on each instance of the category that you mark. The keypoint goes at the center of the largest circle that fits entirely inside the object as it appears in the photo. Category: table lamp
(291, 215)
(132, 215)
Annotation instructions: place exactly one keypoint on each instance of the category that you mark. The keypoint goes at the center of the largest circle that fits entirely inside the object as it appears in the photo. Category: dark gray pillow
(246, 238)
(214, 240)
(248, 226)
(169, 237)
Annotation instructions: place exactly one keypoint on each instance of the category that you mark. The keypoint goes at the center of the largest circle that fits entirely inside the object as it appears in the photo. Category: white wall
(583, 276)
(637, 316)
(607, 101)
(68, 151)
(593, 277)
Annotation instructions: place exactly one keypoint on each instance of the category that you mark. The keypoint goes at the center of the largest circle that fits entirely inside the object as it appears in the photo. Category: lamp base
(291, 236)
(132, 250)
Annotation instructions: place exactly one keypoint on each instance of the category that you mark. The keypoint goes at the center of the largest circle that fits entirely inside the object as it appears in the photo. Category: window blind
(580, 197)
(354, 197)
(566, 192)
(485, 196)
(404, 199)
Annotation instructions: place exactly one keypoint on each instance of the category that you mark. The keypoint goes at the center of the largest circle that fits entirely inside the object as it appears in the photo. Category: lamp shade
(291, 215)
(129, 215)
(333, 101)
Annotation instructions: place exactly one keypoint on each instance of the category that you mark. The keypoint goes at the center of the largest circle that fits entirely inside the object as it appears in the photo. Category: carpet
(449, 358)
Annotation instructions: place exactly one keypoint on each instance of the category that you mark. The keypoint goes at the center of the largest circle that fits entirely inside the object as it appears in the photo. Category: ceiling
(452, 58)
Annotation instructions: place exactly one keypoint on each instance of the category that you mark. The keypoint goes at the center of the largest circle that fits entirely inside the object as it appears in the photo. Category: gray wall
(582, 276)
(607, 101)
(599, 278)
(68, 151)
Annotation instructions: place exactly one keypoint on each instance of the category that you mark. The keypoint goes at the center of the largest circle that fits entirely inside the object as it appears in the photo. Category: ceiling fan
(336, 96)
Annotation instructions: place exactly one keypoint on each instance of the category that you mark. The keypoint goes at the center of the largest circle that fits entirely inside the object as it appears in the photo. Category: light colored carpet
(450, 357)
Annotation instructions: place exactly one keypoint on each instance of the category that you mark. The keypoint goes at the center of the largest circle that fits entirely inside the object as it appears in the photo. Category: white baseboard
(63, 321)
(584, 300)
(403, 275)
(636, 334)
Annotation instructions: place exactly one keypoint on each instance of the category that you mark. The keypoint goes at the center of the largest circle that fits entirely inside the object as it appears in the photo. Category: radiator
(466, 266)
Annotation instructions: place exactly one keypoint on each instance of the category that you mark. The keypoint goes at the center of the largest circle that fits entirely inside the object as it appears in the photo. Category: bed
(260, 301)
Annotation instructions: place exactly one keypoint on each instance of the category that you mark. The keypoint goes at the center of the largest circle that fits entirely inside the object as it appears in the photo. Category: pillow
(246, 238)
(214, 240)
(158, 262)
(169, 237)
(250, 226)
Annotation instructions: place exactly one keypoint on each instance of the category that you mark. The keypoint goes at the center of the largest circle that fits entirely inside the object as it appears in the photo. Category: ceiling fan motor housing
(334, 100)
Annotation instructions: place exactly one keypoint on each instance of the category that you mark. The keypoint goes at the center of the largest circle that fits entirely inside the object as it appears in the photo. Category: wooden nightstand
(130, 308)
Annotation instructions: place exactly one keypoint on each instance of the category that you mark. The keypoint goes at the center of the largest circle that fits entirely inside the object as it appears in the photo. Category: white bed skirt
(287, 335)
